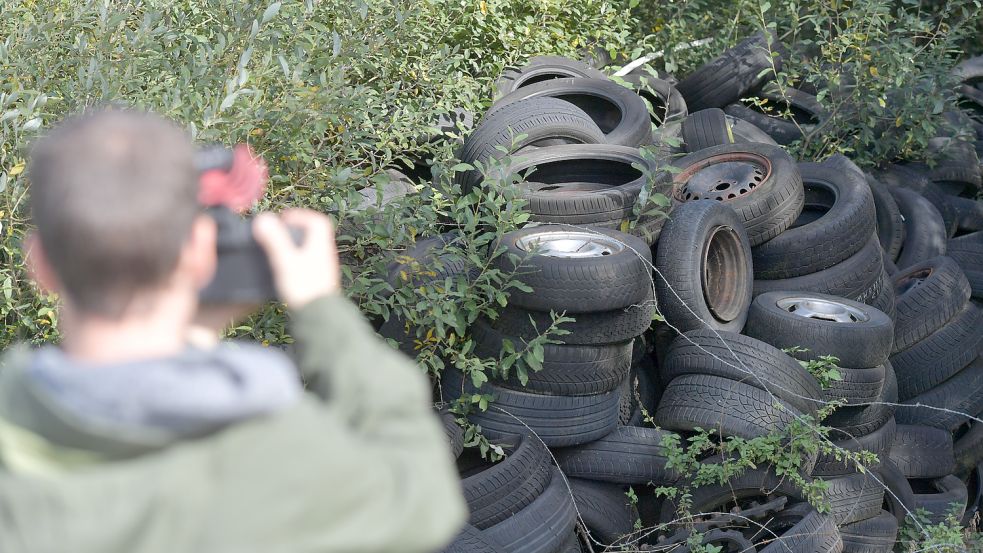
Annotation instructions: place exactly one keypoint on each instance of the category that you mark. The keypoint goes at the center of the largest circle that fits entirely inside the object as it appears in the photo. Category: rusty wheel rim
(723, 177)
(724, 274)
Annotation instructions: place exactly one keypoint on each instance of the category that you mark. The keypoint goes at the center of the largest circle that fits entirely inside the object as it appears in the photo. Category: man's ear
(200, 252)
(38, 266)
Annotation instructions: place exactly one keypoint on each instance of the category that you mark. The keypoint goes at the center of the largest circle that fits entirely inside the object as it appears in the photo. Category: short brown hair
(113, 196)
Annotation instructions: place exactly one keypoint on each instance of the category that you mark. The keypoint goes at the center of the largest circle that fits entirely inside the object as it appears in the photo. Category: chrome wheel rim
(569, 244)
(823, 310)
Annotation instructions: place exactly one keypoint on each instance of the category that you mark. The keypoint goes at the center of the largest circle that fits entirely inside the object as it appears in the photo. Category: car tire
(890, 223)
(567, 370)
(539, 121)
(492, 491)
(837, 221)
(928, 295)
(543, 68)
(704, 129)
(873, 535)
(621, 114)
(856, 278)
(706, 238)
(742, 359)
(922, 451)
(559, 421)
(949, 404)
(858, 335)
(941, 355)
(733, 74)
(542, 526)
(588, 329)
(726, 406)
(580, 184)
(758, 181)
(629, 455)
(808, 114)
(925, 231)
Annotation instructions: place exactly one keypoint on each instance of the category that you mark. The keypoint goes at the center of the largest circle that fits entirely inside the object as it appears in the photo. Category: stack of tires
(600, 278)
(762, 264)
(573, 135)
(860, 337)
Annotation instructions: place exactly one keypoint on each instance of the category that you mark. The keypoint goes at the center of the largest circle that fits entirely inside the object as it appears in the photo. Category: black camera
(242, 275)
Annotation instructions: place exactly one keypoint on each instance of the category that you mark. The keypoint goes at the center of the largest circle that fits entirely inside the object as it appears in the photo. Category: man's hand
(302, 273)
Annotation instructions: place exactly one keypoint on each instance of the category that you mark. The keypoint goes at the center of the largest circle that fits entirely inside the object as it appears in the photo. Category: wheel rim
(722, 177)
(569, 244)
(724, 274)
(823, 310)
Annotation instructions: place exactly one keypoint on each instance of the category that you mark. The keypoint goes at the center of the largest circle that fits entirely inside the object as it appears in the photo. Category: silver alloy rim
(824, 310)
(569, 244)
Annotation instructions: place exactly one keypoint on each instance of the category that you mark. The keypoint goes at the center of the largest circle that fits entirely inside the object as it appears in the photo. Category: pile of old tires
(762, 263)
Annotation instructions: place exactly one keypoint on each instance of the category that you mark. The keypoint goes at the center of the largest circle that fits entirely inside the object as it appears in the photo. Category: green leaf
(270, 12)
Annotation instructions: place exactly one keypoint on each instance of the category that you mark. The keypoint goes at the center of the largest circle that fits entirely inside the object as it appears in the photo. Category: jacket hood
(118, 410)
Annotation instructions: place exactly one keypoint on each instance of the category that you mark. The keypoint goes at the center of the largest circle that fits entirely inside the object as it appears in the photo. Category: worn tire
(543, 526)
(566, 369)
(747, 132)
(899, 499)
(928, 295)
(836, 223)
(629, 455)
(707, 238)
(733, 74)
(813, 533)
(968, 447)
(807, 114)
(472, 540)
(580, 184)
(589, 329)
(767, 200)
(854, 497)
(925, 231)
(856, 278)
(743, 359)
(938, 497)
(541, 122)
(941, 355)
(963, 393)
(543, 68)
(877, 442)
(859, 420)
(454, 433)
(616, 278)
(967, 251)
(748, 484)
(621, 114)
(494, 491)
(706, 128)
(604, 509)
(862, 339)
(923, 451)
(558, 420)
(857, 386)
(873, 535)
(666, 103)
(890, 223)
(726, 406)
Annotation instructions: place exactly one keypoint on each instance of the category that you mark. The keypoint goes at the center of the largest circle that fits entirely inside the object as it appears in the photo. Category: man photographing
(127, 439)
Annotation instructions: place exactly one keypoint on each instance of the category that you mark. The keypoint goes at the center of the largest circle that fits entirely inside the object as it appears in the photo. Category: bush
(330, 92)
(333, 92)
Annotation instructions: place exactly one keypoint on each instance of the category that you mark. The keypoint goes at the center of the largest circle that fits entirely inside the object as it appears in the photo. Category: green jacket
(359, 464)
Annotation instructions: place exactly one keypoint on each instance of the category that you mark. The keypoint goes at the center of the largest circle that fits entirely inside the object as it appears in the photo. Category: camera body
(242, 274)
